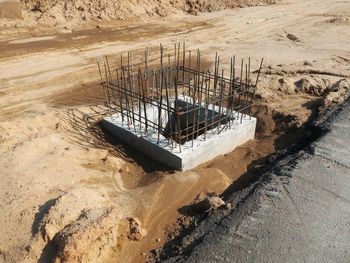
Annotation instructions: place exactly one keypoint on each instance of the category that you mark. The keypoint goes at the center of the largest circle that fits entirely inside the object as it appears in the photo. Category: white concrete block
(189, 157)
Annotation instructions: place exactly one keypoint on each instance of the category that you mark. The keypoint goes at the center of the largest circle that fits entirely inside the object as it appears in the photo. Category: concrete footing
(203, 149)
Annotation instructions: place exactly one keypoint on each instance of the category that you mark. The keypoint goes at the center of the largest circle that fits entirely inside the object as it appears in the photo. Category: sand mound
(136, 230)
(81, 226)
(75, 12)
(310, 79)
(311, 85)
(90, 238)
(69, 208)
(338, 92)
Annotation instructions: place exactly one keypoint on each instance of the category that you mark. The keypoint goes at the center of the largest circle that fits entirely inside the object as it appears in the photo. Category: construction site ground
(68, 189)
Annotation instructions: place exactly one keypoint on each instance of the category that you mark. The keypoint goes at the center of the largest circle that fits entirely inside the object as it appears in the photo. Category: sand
(52, 151)
(73, 13)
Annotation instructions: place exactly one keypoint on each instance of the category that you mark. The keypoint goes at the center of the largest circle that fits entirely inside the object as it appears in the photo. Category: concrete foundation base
(203, 149)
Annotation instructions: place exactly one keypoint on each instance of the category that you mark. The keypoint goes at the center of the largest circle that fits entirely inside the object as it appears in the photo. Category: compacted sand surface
(68, 189)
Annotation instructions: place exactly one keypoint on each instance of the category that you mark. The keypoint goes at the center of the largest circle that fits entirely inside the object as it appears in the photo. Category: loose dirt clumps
(304, 78)
(69, 208)
(80, 226)
(196, 6)
(90, 238)
(136, 231)
(207, 202)
(339, 20)
(310, 85)
(331, 92)
(338, 92)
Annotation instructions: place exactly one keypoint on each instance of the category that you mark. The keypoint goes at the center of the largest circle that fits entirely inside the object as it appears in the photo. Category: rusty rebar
(209, 99)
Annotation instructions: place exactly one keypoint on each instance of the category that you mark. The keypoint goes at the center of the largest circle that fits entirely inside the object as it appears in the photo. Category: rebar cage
(170, 94)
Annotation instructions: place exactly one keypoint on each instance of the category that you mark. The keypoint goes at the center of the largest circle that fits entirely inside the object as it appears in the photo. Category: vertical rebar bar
(161, 94)
(120, 96)
(126, 97)
(144, 106)
(130, 90)
(207, 90)
(220, 102)
(139, 96)
(177, 117)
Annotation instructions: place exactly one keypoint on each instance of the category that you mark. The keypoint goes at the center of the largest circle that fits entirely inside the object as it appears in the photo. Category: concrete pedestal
(203, 150)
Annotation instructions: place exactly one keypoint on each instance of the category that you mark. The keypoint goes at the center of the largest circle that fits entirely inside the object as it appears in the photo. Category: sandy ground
(59, 171)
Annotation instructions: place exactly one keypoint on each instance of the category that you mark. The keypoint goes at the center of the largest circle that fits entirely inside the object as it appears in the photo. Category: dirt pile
(90, 238)
(207, 202)
(54, 12)
(304, 78)
(136, 230)
(80, 226)
(68, 208)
